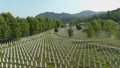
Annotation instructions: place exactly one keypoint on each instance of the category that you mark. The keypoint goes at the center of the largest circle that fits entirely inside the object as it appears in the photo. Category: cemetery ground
(48, 50)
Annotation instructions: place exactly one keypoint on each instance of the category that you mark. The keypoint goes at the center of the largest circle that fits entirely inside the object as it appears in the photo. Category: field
(48, 50)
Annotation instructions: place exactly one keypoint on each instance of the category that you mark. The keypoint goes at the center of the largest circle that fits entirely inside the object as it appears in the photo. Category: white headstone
(36, 63)
(27, 63)
(32, 63)
(66, 66)
(7, 60)
(24, 66)
(10, 65)
(3, 60)
(58, 60)
(55, 65)
(2, 65)
(19, 66)
(60, 65)
(45, 65)
(0, 59)
(15, 60)
(100, 65)
(40, 64)
(71, 66)
(23, 62)
(11, 60)
(18, 61)
(6, 65)
(29, 58)
(15, 66)
(68, 62)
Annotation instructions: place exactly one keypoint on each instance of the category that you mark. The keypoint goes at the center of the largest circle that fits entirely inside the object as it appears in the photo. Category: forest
(13, 28)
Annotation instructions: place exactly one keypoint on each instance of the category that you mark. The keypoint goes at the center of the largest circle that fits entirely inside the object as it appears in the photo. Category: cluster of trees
(106, 24)
(98, 27)
(12, 28)
(78, 26)
(113, 15)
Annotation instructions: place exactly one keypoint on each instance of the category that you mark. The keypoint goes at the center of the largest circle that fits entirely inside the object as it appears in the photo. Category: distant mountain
(53, 15)
(66, 17)
(87, 13)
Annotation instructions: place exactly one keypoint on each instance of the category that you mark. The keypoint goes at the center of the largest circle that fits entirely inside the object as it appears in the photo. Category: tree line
(12, 28)
(103, 28)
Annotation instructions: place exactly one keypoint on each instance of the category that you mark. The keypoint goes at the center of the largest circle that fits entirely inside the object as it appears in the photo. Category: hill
(66, 17)
(53, 15)
(87, 13)
(113, 15)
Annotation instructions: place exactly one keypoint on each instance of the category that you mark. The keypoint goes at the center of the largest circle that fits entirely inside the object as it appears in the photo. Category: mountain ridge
(63, 16)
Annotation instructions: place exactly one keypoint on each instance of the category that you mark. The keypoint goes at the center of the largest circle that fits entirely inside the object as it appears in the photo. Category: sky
(24, 8)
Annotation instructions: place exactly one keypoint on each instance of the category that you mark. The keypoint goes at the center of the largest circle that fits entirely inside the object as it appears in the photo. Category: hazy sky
(25, 8)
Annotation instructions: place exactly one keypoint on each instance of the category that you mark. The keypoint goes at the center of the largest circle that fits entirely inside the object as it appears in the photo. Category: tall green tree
(96, 26)
(4, 30)
(90, 31)
(24, 26)
(110, 27)
(34, 25)
(15, 29)
(70, 32)
(58, 24)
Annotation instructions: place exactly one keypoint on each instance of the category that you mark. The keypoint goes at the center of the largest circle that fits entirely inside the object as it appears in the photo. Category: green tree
(96, 26)
(34, 25)
(24, 26)
(90, 31)
(15, 29)
(118, 33)
(4, 30)
(58, 24)
(110, 27)
(78, 26)
(70, 32)
(56, 29)
(12, 28)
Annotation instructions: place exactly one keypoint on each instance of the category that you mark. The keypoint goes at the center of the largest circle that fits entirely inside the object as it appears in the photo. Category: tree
(96, 26)
(58, 24)
(34, 25)
(15, 30)
(110, 27)
(90, 31)
(24, 26)
(56, 29)
(70, 32)
(12, 28)
(78, 26)
(118, 33)
(4, 30)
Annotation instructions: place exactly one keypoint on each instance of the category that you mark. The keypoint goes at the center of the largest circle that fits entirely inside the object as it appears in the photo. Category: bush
(56, 29)
(70, 32)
